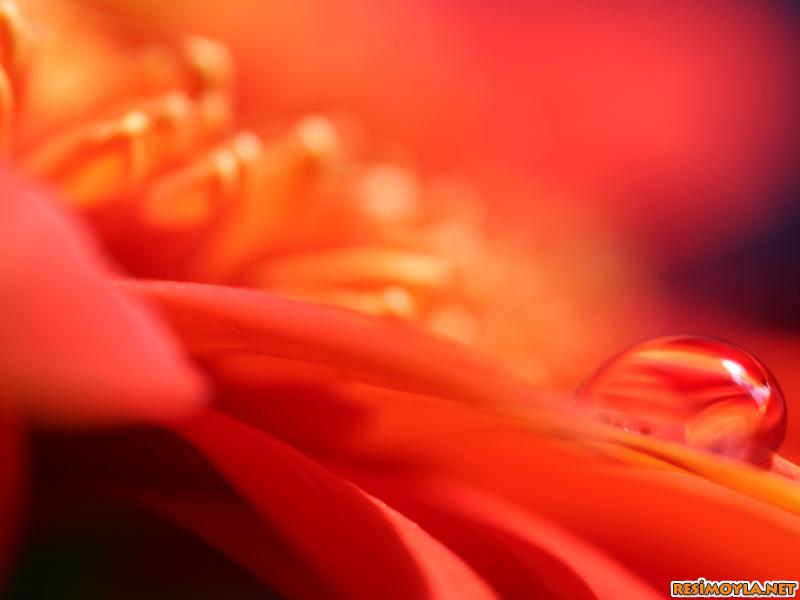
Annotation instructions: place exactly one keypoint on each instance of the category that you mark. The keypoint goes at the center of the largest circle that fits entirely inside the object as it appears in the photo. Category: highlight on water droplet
(699, 391)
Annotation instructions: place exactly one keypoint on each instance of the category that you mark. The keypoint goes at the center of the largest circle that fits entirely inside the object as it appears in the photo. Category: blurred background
(667, 133)
(676, 123)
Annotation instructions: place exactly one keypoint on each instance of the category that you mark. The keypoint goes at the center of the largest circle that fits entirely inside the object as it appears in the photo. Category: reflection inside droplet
(698, 391)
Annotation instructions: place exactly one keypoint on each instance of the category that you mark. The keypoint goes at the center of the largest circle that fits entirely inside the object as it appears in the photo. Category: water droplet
(699, 391)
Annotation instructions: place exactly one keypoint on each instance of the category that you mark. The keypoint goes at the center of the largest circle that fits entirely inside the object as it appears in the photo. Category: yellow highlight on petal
(356, 265)
(210, 63)
(281, 171)
(14, 38)
(318, 136)
(392, 301)
(6, 112)
(454, 322)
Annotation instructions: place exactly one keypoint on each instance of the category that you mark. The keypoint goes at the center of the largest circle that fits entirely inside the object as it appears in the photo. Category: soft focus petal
(72, 348)
(217, 321)
(512, 548)
(359, 546)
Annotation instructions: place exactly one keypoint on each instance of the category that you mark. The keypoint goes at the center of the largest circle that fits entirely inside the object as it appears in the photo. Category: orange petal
(285, 168)
(216, 321)
(96, 162)
(658, 522)
(355, 265)
(72, 348)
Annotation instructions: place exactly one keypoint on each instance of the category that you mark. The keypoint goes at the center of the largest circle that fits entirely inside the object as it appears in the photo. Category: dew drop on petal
(703, 392)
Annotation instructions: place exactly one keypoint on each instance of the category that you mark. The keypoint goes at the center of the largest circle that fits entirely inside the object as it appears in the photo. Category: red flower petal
(512, 548)
(358, 546)
(216, 321)
(654, 515)
(72, 348)
(659, 522)
(654, 518)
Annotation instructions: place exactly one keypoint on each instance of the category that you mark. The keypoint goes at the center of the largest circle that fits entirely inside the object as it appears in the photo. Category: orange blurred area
(588, 145)
(652, 133)
(641, 108)
(602, 143)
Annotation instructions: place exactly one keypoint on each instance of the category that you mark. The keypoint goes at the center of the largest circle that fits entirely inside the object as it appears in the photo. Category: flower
(360, 423)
